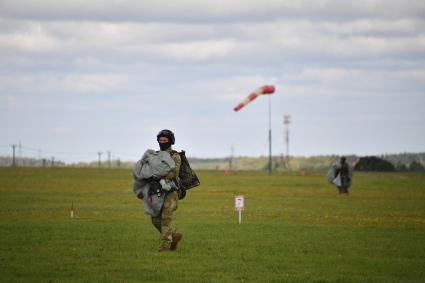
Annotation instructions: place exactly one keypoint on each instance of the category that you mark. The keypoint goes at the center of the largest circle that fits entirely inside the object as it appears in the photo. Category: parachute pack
(188, 178)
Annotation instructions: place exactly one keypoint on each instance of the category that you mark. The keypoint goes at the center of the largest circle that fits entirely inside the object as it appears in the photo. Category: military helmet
(166, 133)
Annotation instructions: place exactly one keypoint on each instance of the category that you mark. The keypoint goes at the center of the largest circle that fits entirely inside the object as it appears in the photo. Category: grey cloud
(284, 40)
(208, 11)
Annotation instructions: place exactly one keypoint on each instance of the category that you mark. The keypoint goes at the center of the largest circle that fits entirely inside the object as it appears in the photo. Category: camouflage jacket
(174, 173)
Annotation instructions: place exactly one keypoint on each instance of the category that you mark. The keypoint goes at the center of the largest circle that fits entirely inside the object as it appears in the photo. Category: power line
(56, 152)
(20, 151)
(99, 162)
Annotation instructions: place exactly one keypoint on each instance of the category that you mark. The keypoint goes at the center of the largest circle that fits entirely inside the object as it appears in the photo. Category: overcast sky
(79, 77)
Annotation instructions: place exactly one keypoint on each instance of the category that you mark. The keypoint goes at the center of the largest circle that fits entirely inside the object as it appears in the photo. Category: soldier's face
(163, 140)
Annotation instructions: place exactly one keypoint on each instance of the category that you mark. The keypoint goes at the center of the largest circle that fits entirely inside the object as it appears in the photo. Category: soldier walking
(163, 223)
(340, 175)
(157, 185)
(343, 170)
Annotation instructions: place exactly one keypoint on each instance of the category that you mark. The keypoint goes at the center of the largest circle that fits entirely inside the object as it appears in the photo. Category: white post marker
(72, 209)
(239, 206)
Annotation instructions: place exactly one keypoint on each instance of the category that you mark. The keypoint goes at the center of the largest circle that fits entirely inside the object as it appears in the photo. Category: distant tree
(372, 163)
(401, 167)
(416, 166)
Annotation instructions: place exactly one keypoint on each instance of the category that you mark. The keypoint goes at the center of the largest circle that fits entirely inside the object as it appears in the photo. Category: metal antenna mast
(19, 151)
(270, 135)
(13, 157)
(286, 122)
(109, 159)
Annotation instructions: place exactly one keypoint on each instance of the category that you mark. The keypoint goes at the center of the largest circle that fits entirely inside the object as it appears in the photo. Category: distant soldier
(156, 183)
(340, 175)
(344, 171)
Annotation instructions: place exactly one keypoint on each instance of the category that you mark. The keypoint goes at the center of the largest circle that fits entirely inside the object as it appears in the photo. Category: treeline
(405, 161)
(373, 163)
(6, 161)
(393, 162)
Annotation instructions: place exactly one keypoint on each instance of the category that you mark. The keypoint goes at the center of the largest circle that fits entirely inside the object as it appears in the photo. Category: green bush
(415, 166)
(372, 163)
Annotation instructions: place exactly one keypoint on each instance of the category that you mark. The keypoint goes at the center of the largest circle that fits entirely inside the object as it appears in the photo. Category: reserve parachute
(188, 177)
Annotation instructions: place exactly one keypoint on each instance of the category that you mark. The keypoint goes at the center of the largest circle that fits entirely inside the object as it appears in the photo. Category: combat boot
(164, 249)
(176, 239)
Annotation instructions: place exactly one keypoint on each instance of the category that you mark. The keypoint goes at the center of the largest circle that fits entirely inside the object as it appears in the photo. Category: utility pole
(286, 122)
(99, 162)
(109, 159)
(13, 156)
(19, 152)
(53, 161)
(270, 135)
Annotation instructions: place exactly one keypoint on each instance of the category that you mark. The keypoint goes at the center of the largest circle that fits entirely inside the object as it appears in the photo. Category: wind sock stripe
(268, 89)
(250, 98)
(247, 100)
(259, 91)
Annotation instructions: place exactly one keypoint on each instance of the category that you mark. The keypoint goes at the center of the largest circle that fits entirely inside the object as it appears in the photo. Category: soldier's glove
(165, 185)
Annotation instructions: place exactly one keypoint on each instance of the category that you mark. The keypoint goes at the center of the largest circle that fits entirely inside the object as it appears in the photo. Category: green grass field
(294, 229)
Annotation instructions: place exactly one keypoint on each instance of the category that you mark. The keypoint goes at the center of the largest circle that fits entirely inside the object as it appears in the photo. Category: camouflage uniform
(344, 172)
(341, 175)
(163, 222)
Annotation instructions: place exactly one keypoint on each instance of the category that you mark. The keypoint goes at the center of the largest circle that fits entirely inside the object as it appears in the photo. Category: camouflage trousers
(163, 223)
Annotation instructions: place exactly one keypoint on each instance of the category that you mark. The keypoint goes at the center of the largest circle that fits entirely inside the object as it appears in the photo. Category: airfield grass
(294, 229)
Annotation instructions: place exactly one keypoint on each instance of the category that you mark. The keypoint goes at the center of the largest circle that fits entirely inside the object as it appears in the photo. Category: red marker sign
(239, 206)
(239, 203)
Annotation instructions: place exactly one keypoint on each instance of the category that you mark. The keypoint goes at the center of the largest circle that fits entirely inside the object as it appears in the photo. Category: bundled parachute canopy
(334, 176)
(267, 89)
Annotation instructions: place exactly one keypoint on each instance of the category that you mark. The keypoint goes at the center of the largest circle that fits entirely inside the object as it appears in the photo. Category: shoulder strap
(173, 152)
